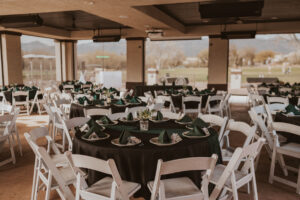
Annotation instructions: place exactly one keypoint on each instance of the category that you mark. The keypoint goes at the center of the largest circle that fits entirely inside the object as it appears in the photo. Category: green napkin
(134, 100)
(104, 88)
(4, 88)
(120, 102)
(34, 88)
(96, 96)
(129, 117)
(159, 116)
(94, 128)
(128, 97)
(196, 132)
(164, 138)
(185, 119)
(81, 100)
(292, 109)
(196, 90)
(105, 120)
(123, 139)
(26, 88)
(200, 123)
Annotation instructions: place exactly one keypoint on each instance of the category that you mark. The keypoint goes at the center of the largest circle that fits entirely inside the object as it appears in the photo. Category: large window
(38, 60)
(177, 59)
(265, 56)
(102, 62)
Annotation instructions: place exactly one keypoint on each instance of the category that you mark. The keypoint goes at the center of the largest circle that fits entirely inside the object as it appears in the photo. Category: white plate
(160, 121)
(116, 142)
(128, 121)
(134, 103)
(100, 123)
(96, 139)
(126, 104)
(184, 134)
(155, 142)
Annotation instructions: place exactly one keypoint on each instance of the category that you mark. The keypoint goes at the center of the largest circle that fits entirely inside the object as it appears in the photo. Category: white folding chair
(233, 176)
(25, 103)
(6, 137)
(68, 88)
(191, 99)
(215, 120)
(278, 100)
(273, 108)
(255, 100)
(86, 86)
(107, 188)
(240, 127)
(263, 90)
(162, 99)
(226, 106)
(218, 107)
(288, 149)
(41, 171)
(171, 115)
(285, 89)
(96, 112)
(38, 102)
(183, 187)
(135, 110)
(116, 116)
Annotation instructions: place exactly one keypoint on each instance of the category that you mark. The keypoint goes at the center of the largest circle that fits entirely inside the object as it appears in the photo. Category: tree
(263, 56)
(203, 57)
(247, 55)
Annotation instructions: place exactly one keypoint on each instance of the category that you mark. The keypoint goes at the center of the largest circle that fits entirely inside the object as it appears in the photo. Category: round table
(138, 163)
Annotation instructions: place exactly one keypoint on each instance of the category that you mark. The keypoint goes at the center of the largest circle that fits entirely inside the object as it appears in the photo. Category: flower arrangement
(144, 115)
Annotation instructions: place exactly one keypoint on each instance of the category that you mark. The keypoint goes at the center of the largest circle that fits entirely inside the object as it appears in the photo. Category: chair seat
(67, 174)
(59, 160)
(179, 187)
(227, 154)
(218, 171)
(103, 187)
(290, 148)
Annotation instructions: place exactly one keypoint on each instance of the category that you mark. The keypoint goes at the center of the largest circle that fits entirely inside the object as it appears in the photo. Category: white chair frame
(191, 99)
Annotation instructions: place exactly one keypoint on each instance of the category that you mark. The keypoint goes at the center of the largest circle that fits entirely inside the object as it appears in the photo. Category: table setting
(136, 150)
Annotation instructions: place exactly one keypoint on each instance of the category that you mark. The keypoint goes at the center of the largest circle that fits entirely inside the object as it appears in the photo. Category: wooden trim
(10, 33)
(136, 38)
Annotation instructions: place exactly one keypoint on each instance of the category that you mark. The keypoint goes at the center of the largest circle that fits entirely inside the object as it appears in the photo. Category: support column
(66, 60)
(135, 62)
(218, 63)
(11, 62)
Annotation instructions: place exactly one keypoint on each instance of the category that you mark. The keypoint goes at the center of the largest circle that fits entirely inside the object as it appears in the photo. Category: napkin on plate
(164, 138)
(120, 102)
(124, 137)
(134, 100)
(129, 117)
(200, 123)
(196, 132)
(95, 131)
(81, 100)
(34, 88)
(185, 119)
(159, 116)
(292, 109)
(105, 120)
(128, 97)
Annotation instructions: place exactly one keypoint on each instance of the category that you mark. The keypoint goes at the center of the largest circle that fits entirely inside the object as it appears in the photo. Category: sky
(28, 39)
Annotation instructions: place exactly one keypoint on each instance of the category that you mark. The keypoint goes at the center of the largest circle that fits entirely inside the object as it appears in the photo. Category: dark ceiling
(70, 20)
(272, 11)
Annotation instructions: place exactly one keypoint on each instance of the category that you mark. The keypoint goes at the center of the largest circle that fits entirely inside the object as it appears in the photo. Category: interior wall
(218, 63)
(135, 62)
(11, 59)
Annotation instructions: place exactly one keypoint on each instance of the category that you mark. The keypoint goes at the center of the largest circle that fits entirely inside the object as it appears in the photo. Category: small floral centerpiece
(108, 95)
(144, 117)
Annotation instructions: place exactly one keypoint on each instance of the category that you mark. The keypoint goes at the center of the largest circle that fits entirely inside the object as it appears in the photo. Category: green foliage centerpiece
(144, 117)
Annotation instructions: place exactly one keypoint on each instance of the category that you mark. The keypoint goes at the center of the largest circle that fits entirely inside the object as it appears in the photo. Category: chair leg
(272, 168)
(12, 152)
(19, 142)
(34, 180)
(254, 182)
(298, 182)
(36, 187)
(282, 164)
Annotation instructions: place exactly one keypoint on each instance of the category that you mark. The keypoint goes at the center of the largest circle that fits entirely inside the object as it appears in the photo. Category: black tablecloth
(177, 101)
(138, 163)
(141, 89)
(77, 110)
(8, 96)
(279, 117)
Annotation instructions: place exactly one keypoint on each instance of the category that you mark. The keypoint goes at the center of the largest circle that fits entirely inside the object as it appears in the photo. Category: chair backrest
(249, 153)
(116, 116)
(191, 98)
(135, 110)
(275, 107)
(171, 115)
(278, 100)
(20, 94)
(215, 120)
(158, 93)
(242, 127)
(256, 99)
(263, 90)
(68, 87)
(180, 165)
(50, 165)
(286, 127)
(76, 122)
(107, 167)
(97, 111)
(216, 98)
(285, 89)
(86, 86)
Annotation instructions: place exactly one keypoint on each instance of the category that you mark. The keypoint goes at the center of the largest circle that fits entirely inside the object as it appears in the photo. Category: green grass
(193, 74)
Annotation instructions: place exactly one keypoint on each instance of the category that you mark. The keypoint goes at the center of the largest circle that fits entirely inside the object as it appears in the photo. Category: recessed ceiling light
(123, 16)
(90, 3)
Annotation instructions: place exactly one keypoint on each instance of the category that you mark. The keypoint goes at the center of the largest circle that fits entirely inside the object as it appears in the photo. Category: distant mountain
(189, 47)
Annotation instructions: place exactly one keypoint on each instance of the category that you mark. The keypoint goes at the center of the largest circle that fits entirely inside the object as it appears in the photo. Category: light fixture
(106, 38)
(238, 35)
(123, 16)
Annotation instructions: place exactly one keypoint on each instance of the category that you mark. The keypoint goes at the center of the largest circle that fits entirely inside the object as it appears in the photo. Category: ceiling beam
(160, 2)
(163, 17)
